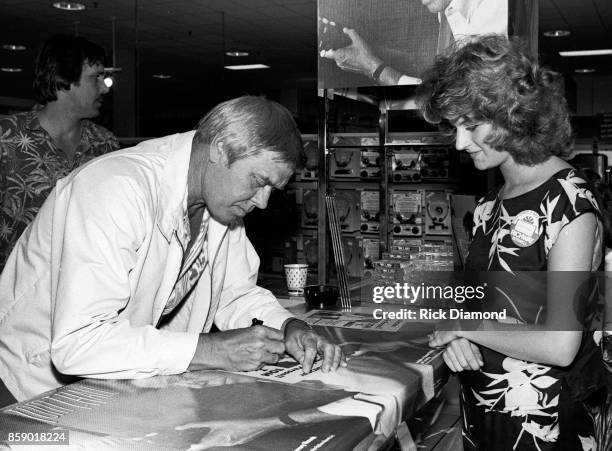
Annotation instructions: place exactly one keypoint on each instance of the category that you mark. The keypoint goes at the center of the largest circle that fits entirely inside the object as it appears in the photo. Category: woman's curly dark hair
(490, 79)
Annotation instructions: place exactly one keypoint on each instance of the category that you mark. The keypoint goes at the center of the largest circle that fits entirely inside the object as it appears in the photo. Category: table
(381, 386)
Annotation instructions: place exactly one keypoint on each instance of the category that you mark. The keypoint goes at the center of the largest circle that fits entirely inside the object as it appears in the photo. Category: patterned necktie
(192, 268)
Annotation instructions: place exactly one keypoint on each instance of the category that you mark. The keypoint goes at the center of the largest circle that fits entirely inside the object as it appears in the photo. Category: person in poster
(456, 20)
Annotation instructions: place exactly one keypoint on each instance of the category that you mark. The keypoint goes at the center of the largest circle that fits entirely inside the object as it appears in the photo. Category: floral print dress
(511, 404)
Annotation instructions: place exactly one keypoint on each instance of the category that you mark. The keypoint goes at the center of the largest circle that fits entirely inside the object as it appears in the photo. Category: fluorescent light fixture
(112, 69)
(237, 53)
(13, 47)
(69, 6)
(161, 76)
(557, 33)
(586, 52)
(247, 66)
(584, 70)
(11, 70)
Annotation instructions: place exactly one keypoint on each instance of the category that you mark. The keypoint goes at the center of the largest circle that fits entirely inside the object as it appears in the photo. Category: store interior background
(186, 42)
(187, 39)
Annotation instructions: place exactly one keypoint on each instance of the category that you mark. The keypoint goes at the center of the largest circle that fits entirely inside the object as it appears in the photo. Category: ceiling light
(247, 66)
(237, 53)
(584, 70)
(161, 76)
(111, 69)
(14, 47)
(598, 52)
(557, 33)
(11, 69)
(69, 6)
(114, 68)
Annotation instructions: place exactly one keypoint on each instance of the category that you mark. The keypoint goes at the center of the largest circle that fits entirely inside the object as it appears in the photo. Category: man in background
(40, 146)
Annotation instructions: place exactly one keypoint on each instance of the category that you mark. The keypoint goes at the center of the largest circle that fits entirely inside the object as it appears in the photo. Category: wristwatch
(378, 71)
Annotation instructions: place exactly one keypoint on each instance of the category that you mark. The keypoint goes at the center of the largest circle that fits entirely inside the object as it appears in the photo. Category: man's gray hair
(249, 125)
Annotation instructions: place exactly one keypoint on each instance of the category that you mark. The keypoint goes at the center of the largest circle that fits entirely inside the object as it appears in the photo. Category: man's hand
(356, 57)
(303, 344)
(245, 349)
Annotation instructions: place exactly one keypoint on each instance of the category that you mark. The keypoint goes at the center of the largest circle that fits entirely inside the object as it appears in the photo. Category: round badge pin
(525, 228)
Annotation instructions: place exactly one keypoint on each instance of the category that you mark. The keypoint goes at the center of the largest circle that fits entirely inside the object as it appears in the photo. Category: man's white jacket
(83, 291)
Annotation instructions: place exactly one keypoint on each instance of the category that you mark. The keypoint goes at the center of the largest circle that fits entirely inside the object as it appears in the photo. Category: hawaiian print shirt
(31, 164)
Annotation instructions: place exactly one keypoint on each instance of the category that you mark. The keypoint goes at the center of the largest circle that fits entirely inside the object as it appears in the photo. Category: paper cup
(296, 278)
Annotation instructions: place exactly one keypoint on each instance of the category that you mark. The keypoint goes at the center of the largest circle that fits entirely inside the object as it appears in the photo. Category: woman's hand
(461, 354)
(446, 331)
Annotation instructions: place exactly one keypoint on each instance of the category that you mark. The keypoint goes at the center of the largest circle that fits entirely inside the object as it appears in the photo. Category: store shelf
(387, 145)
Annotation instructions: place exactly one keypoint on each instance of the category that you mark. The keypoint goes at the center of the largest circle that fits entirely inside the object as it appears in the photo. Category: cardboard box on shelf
(437, 213)
(370, 164)
(308, 199)
(370, 250)
(353, 256)
(435, 163)
(406, 166)
(311, 165)
(407, 213)
(369, 211)
(347, 209)
(345, 164)
(353, 139)
(307, 248)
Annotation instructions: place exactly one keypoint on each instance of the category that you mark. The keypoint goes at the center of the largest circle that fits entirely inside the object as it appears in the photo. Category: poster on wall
(390, 42)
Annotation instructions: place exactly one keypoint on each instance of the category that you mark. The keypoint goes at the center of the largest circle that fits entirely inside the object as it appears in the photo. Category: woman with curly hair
(524, 379)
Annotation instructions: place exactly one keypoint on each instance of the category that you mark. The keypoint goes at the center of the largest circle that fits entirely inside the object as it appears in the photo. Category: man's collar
(173, 185)
(31, 118)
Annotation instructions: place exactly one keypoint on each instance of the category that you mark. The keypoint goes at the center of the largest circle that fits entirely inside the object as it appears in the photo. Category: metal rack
(324, 185)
